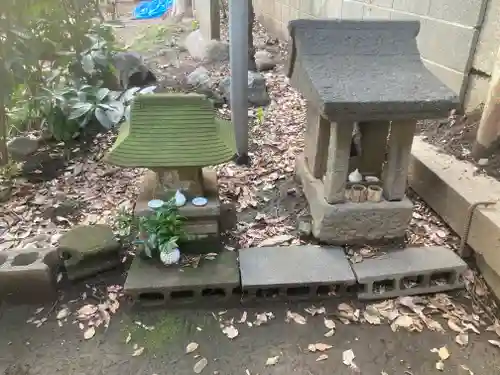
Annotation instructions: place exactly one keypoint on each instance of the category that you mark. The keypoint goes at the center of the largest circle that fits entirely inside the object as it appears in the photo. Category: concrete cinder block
(477, 91)
(352, 10)
(455, 80)
(464, 12)
(456, 53)
(418, 7)
(293, 272)
(29, 275)
(333, 9)
(149, 283)
(379, 3)
(352, 223)
(410, 271)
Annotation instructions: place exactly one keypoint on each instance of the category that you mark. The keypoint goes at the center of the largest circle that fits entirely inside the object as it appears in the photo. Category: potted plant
(161, 231)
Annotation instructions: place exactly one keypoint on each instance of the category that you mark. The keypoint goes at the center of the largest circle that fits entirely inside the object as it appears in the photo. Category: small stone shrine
(175, 136)
(367, 73)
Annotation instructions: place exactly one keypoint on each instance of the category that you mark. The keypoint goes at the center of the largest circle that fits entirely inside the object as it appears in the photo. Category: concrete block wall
(449, 34)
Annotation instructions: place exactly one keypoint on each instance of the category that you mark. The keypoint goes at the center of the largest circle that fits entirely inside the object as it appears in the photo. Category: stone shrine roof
(173, 130)
(365, 70)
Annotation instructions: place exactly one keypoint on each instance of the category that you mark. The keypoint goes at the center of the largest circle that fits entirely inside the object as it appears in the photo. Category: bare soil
(455, 136)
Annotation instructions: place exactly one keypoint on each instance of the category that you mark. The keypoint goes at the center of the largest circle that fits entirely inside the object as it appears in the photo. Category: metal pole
(238, 51)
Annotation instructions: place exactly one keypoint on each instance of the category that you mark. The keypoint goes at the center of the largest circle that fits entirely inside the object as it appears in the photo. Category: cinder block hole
(151, 297)
(267, 293)
(298, 291)
(383, 286)
(25, 259)
(327, 290)
(442, 278)
(355, 288)
(238, 292)
(3, 258)
(410, 282)
(182, 294)
(213, 292)
(66, 256)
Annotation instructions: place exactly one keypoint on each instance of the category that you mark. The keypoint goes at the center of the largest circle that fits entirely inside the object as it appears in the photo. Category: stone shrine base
(351, 223)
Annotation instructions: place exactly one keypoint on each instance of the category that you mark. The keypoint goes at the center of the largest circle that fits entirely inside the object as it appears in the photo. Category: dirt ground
(52, 350)
(456, 136)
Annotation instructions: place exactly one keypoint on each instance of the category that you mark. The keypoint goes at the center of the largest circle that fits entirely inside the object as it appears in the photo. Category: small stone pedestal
(202, 222)
(369, 73)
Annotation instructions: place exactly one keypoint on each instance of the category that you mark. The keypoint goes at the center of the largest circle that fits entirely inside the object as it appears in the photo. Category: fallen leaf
(137, 352)
(322, 347)
(454, 326)
(272, 360)
(260, 319)
(467, 369)
(322, 357)
(200, 365)
(129, 337)
(371, 318)
(311, 348)
(63, 313)
(297, 318)
(440, 365)
(404, 321)
(472, 327)
(89, 333)
(383, 373)
(462, 339)
(243, 318)
(442, 352)
(330, 333)
(348, 357)
(330, 324)
(230, 332)
(494, 343)
(313, 310)
(191, 347)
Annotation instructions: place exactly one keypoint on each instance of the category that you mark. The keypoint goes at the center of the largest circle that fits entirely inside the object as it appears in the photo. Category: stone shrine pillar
(369, 73)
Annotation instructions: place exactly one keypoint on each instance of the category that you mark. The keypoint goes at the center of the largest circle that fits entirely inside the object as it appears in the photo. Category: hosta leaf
(88, 64)
(79, 110)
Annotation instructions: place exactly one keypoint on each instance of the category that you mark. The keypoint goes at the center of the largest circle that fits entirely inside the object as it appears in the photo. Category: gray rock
(257, 91)
(264, 60)
(127, 64)
(207, 50)
(5, 193)
(483, 162)
(22, 147)
(200, 77)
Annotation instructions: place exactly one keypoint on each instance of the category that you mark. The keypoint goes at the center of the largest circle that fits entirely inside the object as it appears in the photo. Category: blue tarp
(152, 9)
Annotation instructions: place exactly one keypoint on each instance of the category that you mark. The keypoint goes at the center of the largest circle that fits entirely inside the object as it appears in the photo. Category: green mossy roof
(173, 130)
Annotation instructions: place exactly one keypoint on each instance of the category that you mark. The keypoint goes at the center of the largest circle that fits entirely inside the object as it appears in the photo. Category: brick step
(409, 271)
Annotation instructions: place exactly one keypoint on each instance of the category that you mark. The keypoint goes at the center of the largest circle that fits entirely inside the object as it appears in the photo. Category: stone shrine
(367, 73)
(176, 136)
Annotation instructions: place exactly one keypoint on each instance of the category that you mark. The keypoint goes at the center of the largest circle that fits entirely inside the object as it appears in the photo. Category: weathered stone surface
(89, 250)
(151, 284)
(201, 82)
(352, 223)
(348, 69)
(410, 271)
(29, 275)
(22, 147)
(264, 60)
(202, 244)
(5, 193)
(294, 271)
(128, 64)
(207, 50)
(257, 91)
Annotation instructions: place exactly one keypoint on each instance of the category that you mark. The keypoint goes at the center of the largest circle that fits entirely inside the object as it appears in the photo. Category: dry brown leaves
(88, 191)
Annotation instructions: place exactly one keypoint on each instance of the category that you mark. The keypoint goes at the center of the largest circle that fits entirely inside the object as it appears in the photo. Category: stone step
(149, 283)
(294, 272)
(409, 271)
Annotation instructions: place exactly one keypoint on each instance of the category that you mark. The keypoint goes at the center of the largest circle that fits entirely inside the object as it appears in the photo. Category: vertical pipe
(238, 50)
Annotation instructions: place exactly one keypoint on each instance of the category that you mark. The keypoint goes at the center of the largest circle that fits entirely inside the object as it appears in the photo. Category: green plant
(260, 115)
(162, 230)
(125, 223)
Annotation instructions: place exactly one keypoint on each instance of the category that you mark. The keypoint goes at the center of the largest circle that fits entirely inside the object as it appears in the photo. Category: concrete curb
(449, 187)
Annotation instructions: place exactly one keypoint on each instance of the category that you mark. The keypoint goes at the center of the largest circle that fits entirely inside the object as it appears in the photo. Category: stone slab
(398, 269)
(360, 57)
(352, 223)
(293, 272)
(449, 186)
(149, 283)
(29, 275)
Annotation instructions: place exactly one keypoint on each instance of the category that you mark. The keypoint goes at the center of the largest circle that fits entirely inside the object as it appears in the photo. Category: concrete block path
(294, 272)
(409, 271)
